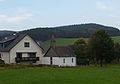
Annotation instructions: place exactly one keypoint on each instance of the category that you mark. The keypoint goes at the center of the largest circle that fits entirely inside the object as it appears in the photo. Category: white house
(23, 49)
(61, 56)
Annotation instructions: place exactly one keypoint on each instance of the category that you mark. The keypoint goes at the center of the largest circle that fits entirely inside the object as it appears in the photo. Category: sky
(20, 15)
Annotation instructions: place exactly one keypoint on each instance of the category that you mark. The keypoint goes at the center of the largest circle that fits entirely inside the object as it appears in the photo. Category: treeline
(71, 31)
(100, 49)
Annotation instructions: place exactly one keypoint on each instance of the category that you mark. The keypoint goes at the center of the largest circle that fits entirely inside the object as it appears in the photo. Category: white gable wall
(46, 60)
(20, 48)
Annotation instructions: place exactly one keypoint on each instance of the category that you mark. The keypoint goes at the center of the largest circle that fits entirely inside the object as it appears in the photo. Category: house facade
(23, 49)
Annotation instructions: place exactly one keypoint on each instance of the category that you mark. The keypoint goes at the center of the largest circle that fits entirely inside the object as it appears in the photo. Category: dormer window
(26, 44)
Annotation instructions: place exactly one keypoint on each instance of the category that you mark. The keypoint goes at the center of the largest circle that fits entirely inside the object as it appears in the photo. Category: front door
(18, 57)
(51, 60)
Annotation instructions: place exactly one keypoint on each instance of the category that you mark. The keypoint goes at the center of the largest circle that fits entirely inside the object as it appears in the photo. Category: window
(63, 60)
(26, 44)
(32, 54)
(72, 60)
(32, 57)
(19, 55)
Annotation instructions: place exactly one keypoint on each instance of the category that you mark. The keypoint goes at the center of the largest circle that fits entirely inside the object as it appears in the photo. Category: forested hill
(70, 31)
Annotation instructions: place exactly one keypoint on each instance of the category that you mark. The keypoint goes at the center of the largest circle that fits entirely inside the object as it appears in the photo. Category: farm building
(60, 55)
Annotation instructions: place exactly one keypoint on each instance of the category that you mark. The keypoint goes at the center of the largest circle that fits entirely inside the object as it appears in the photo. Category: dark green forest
(70, 31)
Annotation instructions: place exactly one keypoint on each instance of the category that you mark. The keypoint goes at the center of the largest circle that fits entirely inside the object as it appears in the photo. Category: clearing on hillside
(70, 41)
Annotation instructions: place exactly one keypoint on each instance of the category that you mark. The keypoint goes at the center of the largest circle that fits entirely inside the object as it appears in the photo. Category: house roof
(60, 51)
(6, 39)
(14, 42)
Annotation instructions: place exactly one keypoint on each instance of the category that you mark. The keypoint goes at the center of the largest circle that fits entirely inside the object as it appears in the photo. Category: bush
(83, 62)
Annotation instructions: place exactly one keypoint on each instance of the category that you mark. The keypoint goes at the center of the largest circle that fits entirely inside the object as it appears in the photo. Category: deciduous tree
(101, 47)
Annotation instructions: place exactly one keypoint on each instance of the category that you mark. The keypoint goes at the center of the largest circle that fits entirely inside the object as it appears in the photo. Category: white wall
(59, 61)
(46, 60)
(5, 57)
(20, 48)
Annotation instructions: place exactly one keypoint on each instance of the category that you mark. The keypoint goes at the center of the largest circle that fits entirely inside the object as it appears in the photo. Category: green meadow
(62, 42)
(70, 41)
(79, 75)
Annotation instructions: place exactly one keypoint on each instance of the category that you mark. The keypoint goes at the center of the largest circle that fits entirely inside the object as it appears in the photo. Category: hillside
(70, 31)
(70, 41)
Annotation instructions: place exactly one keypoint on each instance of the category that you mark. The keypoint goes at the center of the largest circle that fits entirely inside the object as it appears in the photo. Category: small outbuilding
(60, 55)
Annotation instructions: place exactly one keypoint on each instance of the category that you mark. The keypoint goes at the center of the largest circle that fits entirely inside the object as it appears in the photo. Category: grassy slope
(70, 41)
(80, 75)
(61, 42)
(116, 39)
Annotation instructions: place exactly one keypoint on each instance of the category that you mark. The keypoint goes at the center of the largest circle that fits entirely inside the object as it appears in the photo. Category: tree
(80, 47)
(101, 47)
(117, 51)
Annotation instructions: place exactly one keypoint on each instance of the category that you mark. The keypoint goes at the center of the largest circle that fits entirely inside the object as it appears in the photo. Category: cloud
(14, 19)
(114, 16)
(101, 5)
(20, 15)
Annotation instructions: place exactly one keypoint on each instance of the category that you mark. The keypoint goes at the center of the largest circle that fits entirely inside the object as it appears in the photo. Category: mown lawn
(78, 75)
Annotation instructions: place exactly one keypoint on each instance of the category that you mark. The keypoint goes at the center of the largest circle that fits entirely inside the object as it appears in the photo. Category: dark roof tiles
(14, 42)
(60, 51)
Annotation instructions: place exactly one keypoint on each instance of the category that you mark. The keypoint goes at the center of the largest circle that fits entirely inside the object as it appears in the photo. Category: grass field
(61, 42)
(78, 75)
(116, 39)
(70, 41)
